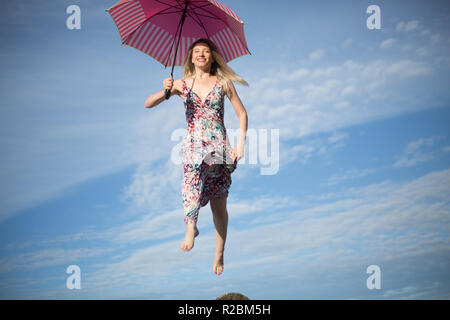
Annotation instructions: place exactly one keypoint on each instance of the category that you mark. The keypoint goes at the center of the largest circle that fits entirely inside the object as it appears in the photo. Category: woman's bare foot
(191, 233)
(218, 263)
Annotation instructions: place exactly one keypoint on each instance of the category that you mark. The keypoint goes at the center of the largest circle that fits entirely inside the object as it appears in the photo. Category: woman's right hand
(168, 84)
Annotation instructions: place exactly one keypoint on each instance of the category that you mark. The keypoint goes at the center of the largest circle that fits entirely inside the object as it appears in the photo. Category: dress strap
(185, 83)
(193, 81)
(185, 86)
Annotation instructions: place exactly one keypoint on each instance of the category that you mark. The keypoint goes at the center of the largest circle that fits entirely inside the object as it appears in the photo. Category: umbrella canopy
(164, 29)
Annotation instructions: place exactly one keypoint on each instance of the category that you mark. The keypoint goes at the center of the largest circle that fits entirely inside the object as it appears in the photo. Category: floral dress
(207, 154)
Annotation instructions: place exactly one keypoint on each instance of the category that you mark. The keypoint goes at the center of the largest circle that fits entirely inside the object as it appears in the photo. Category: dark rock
(232, 296)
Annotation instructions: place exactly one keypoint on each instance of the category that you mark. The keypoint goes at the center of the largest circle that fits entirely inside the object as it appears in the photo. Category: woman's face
(201, 56)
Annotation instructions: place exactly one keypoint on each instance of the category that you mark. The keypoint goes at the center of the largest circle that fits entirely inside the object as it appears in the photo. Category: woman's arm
(241, 113)
(156, 98)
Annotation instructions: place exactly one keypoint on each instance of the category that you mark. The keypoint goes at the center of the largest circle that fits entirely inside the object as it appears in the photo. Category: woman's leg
(191, 193)
(191, 232)
(220, 217)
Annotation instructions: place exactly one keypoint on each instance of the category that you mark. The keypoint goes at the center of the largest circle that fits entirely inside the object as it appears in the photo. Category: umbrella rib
(204, 15)
(168, 4)
(161, 13)
(179, 10)
(197, 7)
(199, 22)
(158, 13)
(183, 17)
(202, 8)
(203, 5)
(174, 39)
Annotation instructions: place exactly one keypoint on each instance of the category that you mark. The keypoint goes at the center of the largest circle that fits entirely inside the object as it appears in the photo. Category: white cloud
(316, 54)
(347, 43)
(154, 186)
(395, 221)
(349, 90)
(357, 90)
(347, 175)
(298, 152)
(407, 69)
(337, 136)
(49, 257)
(298, 74)
(422, 51)
(306, 238)
(416, 152)
(435, 39)
(388, 43)
(342, 104)
(443, 61)
(412, 292)
(47, 159)
(425, 32)
(407, 26)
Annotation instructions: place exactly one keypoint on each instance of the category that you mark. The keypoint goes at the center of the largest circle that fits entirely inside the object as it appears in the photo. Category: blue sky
(363, 171)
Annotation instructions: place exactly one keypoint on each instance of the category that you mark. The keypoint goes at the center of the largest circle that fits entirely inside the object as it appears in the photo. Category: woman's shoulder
(178, 86)
(179, 82)
(191, 78)
(182, 81)
(186, 78)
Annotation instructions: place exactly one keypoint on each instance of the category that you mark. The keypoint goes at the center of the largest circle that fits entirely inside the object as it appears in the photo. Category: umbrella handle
(167, 94)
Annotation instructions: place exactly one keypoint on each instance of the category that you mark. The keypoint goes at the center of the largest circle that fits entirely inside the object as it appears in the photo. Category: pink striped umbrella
(164, 29)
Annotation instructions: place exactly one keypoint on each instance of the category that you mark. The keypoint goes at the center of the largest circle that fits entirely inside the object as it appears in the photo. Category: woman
(208, 159)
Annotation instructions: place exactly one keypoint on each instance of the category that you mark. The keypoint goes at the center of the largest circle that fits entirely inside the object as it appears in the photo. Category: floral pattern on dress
(207, 154)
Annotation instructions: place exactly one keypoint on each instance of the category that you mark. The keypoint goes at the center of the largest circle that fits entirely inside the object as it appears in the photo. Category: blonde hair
(219, 67)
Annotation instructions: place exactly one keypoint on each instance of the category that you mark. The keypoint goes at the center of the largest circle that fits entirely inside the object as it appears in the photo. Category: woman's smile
(201, 55)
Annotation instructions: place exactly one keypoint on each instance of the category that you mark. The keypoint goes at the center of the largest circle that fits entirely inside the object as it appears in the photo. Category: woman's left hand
(238, 154)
